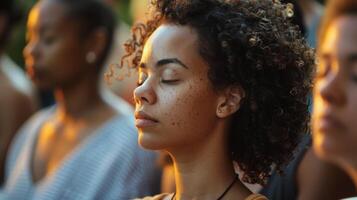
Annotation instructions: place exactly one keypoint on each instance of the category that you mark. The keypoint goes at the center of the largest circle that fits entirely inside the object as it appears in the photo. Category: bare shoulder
(12, 99)
(15, 107)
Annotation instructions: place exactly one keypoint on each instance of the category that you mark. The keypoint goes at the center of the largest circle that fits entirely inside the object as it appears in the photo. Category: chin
(324, 148)
(147, 141)
(42, 85)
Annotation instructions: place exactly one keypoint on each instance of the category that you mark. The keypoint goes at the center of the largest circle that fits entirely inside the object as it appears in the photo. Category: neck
(75, 101)
(206, 170)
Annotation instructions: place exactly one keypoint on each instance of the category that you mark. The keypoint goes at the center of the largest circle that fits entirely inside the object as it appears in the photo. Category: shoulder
(33, 123)
(25, 135)
(256, 197)
(164, 196)
(11, 97)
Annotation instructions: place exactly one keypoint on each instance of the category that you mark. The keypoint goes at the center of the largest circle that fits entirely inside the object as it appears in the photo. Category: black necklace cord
(223, 194)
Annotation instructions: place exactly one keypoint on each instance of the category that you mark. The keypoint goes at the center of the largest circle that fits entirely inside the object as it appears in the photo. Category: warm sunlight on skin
(319, 104)
(32, 20)
(171, 75)
(33, 17)
(53, 131)
(335, 94)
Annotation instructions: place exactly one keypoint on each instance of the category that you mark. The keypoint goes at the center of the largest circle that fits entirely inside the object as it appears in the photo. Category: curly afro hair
(252, 44)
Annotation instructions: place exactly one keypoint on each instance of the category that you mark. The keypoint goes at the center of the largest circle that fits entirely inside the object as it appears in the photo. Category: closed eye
(172, 81)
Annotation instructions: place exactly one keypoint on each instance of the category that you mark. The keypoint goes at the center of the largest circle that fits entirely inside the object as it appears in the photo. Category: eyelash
(48, 39)
(139, 83)
(169, 81)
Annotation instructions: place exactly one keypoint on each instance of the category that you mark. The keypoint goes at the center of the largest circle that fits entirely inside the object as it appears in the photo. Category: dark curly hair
(250, 43)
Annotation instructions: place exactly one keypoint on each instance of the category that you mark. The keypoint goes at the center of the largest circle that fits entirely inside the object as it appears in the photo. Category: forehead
(46, 13)
(341, 36)
(172, 41)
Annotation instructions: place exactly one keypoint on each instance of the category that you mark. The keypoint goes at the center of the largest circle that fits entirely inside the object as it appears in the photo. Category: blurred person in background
(85, 146)
(17, 96)
(303, 176)
(334, 119)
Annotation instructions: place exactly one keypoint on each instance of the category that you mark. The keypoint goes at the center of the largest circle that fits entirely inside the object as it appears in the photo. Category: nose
(144, 94)
(331, 87)
(31, 50)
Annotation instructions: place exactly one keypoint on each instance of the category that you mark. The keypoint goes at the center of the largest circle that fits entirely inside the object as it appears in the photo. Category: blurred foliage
(123, 11)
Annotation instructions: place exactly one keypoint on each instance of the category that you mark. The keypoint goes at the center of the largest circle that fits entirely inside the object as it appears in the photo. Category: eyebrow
(165, 61)
(44, 27)
(350, 58)
(170, 60)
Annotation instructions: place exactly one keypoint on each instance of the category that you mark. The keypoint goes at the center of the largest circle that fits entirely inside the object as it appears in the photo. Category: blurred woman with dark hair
(84, 147)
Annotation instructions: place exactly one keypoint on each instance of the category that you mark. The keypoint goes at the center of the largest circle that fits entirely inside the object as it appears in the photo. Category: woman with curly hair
(220, 82)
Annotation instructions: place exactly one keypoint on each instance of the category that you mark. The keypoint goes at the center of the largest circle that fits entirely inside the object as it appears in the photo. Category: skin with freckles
(168, 92)
(215, 87)
(174, 91)
(335, 95)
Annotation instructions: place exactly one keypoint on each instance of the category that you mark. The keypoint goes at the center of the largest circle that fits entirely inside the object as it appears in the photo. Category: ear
(97, 42)
(229, 102)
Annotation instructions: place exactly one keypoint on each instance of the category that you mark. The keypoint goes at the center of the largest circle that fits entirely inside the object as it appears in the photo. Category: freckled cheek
(183, 112)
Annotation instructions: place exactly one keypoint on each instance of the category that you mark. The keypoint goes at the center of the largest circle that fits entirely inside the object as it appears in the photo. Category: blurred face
(335, 93)
(55, 52)
(175, 101)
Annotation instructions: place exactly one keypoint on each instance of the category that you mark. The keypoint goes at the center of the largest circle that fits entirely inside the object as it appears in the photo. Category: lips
(328, 124)
(143, 120)
(30, 71)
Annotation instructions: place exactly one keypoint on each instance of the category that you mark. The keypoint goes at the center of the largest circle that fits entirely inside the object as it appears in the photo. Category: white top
(108, 164)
